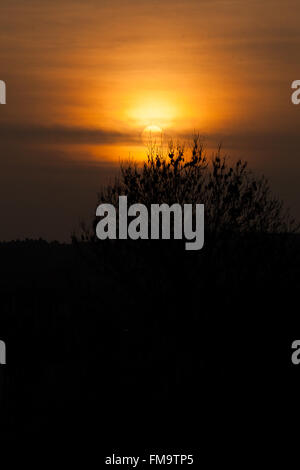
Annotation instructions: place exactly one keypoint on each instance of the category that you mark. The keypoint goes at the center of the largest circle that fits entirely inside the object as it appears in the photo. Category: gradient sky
(84, 79)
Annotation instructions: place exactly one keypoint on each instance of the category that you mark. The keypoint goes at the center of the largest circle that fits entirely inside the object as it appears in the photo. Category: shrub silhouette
(235, 200)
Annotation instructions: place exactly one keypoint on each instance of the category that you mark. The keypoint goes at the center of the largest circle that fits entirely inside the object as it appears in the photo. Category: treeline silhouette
(115, 332)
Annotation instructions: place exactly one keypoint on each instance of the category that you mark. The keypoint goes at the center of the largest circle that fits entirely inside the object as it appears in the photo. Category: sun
(147, 111)
(152, 117)
(153, 130)
(152, 134)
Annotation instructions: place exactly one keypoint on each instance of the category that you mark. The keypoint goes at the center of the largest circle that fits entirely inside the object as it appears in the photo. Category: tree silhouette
(235, 200)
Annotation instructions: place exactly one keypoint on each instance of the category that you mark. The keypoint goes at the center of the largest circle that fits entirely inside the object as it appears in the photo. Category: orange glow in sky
(85, 79)
(120, 68)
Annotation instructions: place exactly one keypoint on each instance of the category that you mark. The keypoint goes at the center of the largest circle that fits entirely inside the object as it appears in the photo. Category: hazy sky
(85, 78)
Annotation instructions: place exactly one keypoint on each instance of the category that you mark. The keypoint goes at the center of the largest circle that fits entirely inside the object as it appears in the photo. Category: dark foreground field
(145, 341)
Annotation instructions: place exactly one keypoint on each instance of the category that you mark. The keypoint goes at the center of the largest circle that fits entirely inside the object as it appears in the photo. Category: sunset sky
(85, 78)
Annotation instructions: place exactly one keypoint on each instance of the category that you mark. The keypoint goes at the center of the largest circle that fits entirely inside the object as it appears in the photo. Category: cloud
(65, 135)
